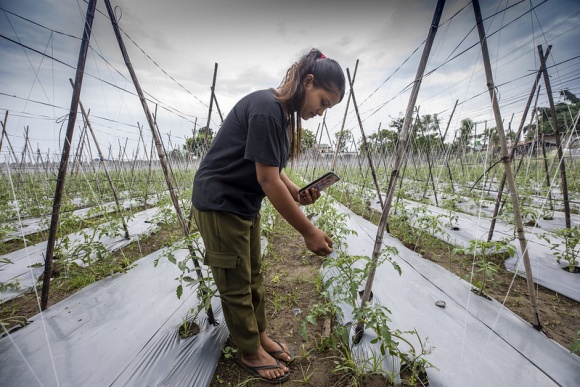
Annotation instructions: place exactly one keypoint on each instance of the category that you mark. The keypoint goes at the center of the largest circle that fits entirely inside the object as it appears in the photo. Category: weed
(575, 348)
(490, 255)
(570, 241)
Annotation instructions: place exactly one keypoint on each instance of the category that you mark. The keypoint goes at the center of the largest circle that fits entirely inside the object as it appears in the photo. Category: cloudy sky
(175, 44)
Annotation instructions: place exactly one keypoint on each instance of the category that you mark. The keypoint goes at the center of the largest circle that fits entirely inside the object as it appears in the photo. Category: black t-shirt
(254, 131)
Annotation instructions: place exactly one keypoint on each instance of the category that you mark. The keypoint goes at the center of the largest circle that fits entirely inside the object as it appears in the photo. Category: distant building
(324, 148)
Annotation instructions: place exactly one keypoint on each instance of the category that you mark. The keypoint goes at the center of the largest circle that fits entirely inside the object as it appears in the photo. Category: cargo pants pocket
(221, 265)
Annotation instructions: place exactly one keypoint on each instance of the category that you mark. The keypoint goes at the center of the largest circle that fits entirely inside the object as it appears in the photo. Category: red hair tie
(322, 56)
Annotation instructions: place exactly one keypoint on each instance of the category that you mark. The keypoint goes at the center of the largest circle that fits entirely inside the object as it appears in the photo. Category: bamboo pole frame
(513, 150)
(90, 15)
(562, 164)
(507, 166)
(159, 146)
(359, 330)
(111, 185)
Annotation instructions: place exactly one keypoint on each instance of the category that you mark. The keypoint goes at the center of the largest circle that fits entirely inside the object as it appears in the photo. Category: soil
(292, 289)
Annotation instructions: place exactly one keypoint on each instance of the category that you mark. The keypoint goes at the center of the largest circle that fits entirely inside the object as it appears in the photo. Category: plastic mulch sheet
(29, 226)
(122, 331)
(28, 264)
(474, 340)
(546, 270)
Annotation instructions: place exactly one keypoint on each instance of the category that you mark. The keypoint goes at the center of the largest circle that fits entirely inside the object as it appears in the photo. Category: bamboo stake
(111, 185)
(340, 134)
(77, 157)
(3, 131)
(364, 138)
(23, 157)
(66, 152)
(430, 176)
(513, 150)
(547, 170)
(507, 166)
(135, 159)
(39, 156)
(217, 106)
(562, 164)
(359, 330)
(160, 150)
(30, 152)
(446, 158)
(206, 147)
(149, 171)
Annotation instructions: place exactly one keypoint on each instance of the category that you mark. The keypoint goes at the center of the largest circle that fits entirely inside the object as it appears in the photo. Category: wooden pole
(562, 164)
(443, 145)
(39, 157)
(206, 145)
(507, 166)
(23, 157)
(66, 152)
(340, 134)
(364, 139)
(77, 157)
(217, 106)
(149, 171)
(400, 153)
(513, 150)
(119, 207)
(158, 145)
(430, 176)
(3, 131)
(5, 134)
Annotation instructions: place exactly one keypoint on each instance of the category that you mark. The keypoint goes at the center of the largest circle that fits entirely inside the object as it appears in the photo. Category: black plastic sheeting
(475, 341)
(122, 331)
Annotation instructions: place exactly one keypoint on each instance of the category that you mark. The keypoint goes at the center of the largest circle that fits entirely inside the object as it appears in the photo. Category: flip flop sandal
(254, 371)
(282, 351)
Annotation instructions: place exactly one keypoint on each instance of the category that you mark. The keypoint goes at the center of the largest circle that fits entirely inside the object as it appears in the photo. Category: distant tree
(491, 136)
(385, 141)
(465, 131)
(345, 140)
(308, 139)
(177, 154)
(197, 144)
(426, 131)
(566, 112)
(569, 96)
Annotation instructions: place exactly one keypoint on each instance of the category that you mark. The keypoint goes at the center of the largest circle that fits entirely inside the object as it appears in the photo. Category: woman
(243, 165)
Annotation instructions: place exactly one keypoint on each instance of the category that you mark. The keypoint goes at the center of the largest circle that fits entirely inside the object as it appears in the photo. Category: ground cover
(293, 288)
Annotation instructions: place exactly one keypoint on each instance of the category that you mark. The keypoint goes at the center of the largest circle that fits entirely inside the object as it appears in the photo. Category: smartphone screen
(322, 182)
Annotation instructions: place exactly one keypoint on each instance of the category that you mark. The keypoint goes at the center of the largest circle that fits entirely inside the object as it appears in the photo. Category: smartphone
(322, 182)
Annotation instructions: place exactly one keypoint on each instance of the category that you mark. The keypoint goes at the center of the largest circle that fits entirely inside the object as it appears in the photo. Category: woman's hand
(308, 196)
(318, 242)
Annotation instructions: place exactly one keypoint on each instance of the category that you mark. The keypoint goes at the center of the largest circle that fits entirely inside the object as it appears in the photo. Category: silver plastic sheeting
(546, 270)
(122, 331)
(475, 341)
(28, 264)
(29, 226)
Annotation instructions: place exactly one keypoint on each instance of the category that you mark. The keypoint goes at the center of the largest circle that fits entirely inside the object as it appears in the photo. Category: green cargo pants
(233, 252)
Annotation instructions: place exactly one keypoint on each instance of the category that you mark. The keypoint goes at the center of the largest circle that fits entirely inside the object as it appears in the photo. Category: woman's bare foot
(262, 358)
(273, 348)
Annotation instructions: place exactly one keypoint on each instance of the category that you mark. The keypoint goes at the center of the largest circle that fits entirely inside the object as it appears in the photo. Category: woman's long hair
(291, 93)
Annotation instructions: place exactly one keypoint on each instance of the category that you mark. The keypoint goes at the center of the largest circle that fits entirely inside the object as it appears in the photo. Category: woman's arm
(279, 193)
